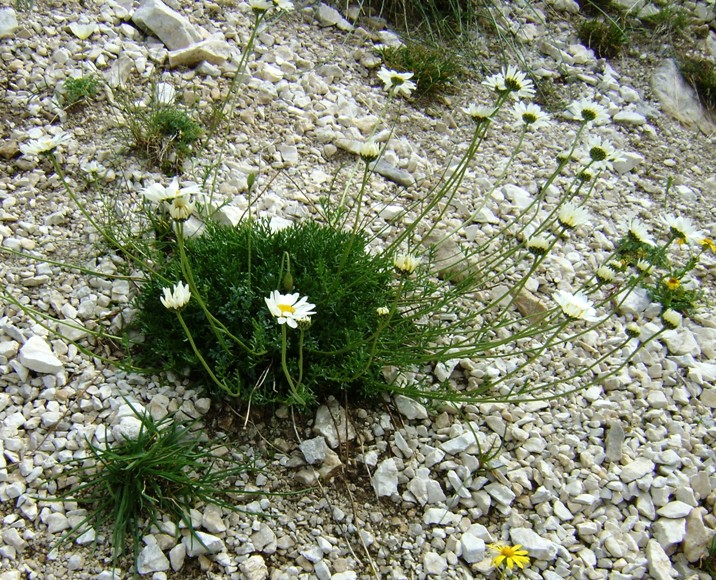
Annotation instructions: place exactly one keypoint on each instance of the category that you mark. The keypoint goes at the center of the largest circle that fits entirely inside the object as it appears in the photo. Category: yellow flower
(708, 244)
(511, 556)
(672, 283)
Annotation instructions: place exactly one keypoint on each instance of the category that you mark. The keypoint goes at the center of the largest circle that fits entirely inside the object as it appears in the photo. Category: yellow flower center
(284, 308)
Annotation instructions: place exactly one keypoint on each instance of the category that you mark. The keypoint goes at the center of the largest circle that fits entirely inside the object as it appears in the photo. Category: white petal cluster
(405, 263)
(671, 318)
(177, 297)
(177, 199)
(683, 228)
(576, 306)
(587, 112)
(601, 154)
(289, 309)
(479, 113)
(572, 216)
(396, 83)
(530, 116)
(44, 144)
(512, 81)
(637, 230)
(369, 151)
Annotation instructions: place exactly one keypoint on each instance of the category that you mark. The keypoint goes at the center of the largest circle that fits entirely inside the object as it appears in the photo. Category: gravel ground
(615, 482)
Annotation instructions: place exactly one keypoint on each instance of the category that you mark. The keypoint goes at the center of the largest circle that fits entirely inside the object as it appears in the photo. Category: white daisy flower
(572, 216)
(636, 230)
(405, 263)
(479, 113)
(156, 192)
(260, 5)
(683, 229)
(605, 274)
(645, 267)
(44, 144)
(633, 330)
(576, 306)
(289, 308)
(671, 318)
(180, 208)
(601, 153)
(530, 116)
(369, 151)
(382, 311)
(176, 297)
(538, 245)
(512, 81)
(587, 111)
(396, 83)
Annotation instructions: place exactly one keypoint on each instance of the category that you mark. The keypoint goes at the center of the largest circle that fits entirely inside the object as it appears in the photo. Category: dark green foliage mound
(434, 69)
(235, 269)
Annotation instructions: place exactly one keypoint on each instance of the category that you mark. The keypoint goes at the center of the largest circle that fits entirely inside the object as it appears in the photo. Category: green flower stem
(295, 395)
(217, 326)
(206, 366)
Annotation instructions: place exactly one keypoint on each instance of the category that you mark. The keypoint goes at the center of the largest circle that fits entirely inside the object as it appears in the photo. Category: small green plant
(708, 562)
(434, 68)
(166, 470)
(605, 37)
(163, 131)
(700, 73)
(79, 90)
(669, 20)
(607, 8)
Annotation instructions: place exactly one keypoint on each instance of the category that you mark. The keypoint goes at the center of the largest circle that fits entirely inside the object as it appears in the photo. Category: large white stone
(37, 356)
(8, 22)
(636, 469)
(173, 29)
(152, 559)
(214, 50)
(410, 408)
(473, 548)
(202, 543)
(538, 547)
(385, 478)
(659, 564)
(254, 568)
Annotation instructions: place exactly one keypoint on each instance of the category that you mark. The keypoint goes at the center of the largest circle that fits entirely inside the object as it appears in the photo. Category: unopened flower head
(671, 318)
(289, 308)
(605, 274)
(44, 144)
(511, 81)
(572, 216)
(576, 306)
(531, 116)
(602, 154)
(382, 311)
(405, 264)
(510, 556)
(633, 330)
(538, 245)
(369, 151)
(683, 229)
(637, 232)
(645, 267)
(180, 208)
(587, 112)
(177, 297)
(396, 83)
(479, 113)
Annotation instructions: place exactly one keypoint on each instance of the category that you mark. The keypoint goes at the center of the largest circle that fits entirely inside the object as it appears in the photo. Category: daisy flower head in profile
(177, 297)
(479, 113)
(572, 216)
(637, 232)
(601, 153)
(396, 83)
(671, 318)
(683, 229)
(587, 112)
(369, 151)
(405, 264)
(605, 274)
(290, 309)
(530, 116)
(538, 245)
(512, 82)
(576, 306)
(45, 144)
(260, 6)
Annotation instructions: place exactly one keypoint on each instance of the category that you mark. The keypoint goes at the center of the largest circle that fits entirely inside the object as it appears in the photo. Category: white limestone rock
(8, 22)
(659, 564)
(410, 408)
(173, 29)
(254, 568)
(538, 547)
(385, 478)
(201, 543)
(214, 50)
(636, 469)
(37, 356)
(152, 559)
